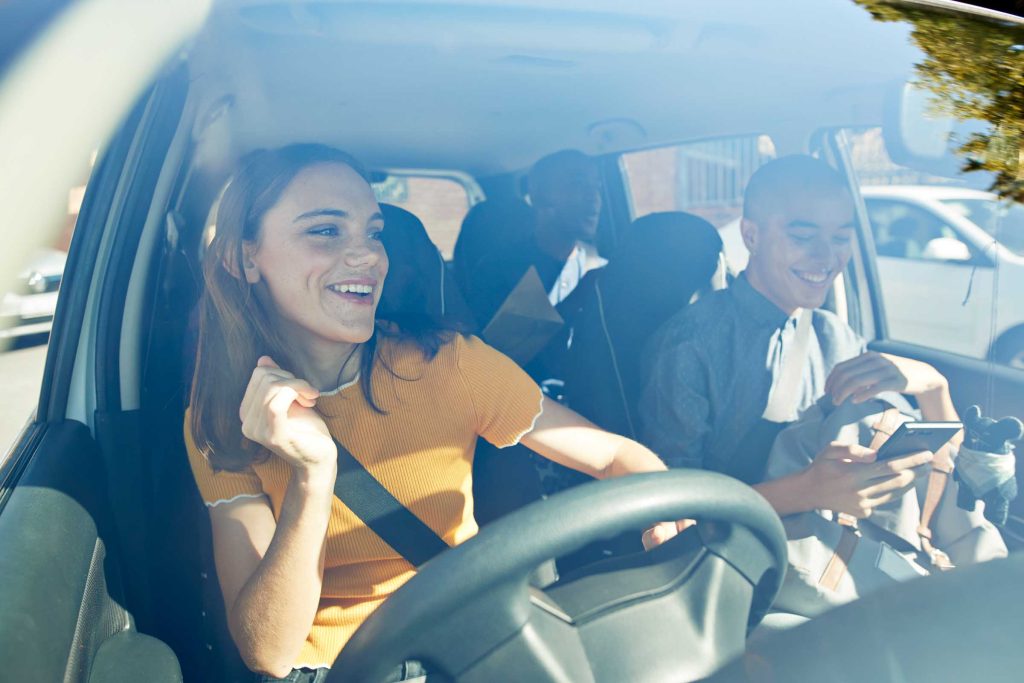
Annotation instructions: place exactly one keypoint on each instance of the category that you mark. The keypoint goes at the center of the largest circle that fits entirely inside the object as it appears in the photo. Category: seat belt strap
(783, 395)
(383, 513)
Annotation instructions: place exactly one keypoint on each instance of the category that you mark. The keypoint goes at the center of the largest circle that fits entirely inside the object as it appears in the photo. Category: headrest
(670, 254)
(486, 227)
(418, 285)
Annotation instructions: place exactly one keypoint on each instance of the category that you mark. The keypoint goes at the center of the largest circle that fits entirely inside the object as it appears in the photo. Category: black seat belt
(383, 513)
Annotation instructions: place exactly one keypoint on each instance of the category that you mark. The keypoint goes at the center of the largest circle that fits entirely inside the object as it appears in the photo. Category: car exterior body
(29, 309)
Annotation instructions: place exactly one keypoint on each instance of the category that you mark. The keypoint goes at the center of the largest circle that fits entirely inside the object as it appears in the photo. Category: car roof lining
(518, 97)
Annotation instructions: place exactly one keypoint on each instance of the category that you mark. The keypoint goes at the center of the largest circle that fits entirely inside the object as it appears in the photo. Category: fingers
(268, 398)
(865, 379)
(897, 484)
(664, 531)
(847, 453)
(842, 370)
(896, 476)
(684, 524)
(658, 534)
(897, 465)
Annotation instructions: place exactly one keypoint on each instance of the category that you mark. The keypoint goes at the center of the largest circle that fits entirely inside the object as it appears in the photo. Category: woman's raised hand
(277, 413)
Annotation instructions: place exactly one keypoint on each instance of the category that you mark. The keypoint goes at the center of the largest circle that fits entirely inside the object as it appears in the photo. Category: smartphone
(913, 437)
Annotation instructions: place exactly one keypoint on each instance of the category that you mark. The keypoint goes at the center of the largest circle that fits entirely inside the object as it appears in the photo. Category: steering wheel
(472, 614)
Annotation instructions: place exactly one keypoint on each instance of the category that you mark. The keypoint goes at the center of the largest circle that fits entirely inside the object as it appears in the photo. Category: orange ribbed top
(421, 450)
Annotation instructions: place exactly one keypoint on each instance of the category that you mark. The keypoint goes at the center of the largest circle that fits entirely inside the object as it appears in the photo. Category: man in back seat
(565, 196)
(716, 363)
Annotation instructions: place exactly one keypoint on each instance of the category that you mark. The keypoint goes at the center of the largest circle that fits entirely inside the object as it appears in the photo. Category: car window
(944, 272)
(903, 230)
(440, 201)
(27, 307)
(706, 178)
(1003, 220)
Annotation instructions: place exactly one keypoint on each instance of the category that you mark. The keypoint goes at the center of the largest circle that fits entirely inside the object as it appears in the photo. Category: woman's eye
(323, 231)
(377, 235)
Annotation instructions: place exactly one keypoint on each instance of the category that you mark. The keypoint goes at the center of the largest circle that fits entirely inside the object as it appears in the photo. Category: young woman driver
(290, 358)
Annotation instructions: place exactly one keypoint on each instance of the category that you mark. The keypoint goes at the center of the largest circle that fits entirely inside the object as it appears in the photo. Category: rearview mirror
(919, 136)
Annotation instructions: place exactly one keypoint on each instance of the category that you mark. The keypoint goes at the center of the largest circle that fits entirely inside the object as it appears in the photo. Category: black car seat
(419, 288)
(486, 227)
(663, 260)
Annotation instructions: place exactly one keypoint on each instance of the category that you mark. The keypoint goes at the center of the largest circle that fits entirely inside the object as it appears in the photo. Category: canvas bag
(831, 563)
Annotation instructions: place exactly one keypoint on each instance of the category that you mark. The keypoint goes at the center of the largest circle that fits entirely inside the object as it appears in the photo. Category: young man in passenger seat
(715, 363)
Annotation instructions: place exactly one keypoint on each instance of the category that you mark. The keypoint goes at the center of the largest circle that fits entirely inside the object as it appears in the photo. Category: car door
(67, 599)
(76, 548)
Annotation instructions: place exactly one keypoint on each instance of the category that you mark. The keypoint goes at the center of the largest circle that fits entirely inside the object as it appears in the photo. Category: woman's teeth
(351, 289)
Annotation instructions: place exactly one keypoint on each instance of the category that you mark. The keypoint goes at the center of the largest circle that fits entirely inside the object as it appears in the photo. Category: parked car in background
(28, 309)
(951, 265)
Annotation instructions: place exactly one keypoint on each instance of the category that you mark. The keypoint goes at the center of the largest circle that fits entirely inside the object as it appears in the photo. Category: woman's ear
(248, 269)
(252, 272)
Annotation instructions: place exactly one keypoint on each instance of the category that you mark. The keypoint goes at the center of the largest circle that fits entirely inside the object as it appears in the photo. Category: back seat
(419, 284)
(486, 227)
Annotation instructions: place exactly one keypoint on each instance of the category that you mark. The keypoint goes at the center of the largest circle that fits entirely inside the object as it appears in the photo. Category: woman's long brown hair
(235, 327)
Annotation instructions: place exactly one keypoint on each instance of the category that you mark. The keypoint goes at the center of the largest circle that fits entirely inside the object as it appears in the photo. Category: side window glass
(440, 201)
(902, 230)
(946, 252)
(26, 315)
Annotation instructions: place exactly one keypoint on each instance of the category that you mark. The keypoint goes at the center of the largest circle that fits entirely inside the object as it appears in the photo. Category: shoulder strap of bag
(938, 480)
(378, 509)
(782, 398)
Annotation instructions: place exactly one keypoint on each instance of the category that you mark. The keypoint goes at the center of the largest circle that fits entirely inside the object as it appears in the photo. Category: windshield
(576, 185)
(1004, 221)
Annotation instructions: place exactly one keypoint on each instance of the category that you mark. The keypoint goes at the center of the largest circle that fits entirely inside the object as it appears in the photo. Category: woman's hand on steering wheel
(663, 531)
(277, 413)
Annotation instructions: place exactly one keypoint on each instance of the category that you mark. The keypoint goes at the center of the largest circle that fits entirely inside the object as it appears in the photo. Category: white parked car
(939, 249)
(29, 308)
(939, 252)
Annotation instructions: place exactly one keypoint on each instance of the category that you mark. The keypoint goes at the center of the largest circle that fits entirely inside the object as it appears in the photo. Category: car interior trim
(69, 328)
(139, 284)
(160, 122)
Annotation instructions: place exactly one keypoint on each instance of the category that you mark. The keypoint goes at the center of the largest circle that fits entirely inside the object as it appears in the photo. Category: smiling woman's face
(320, 256)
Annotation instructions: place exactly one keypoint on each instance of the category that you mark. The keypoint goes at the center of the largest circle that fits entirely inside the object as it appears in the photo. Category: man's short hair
(780, 179)
(547, 169)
